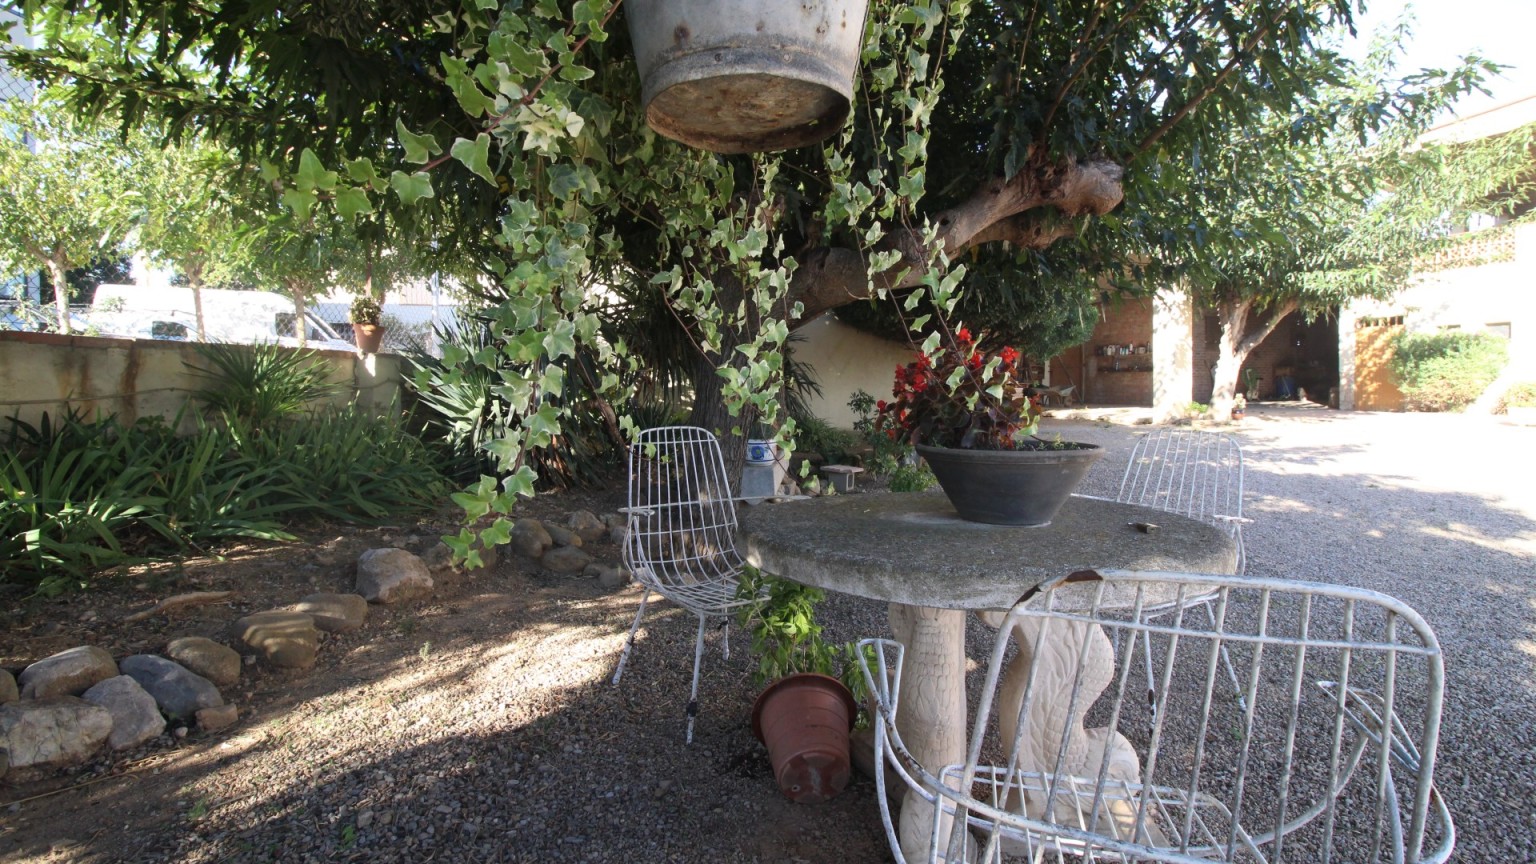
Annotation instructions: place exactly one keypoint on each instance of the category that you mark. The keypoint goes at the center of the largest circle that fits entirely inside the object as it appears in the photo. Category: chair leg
(630, 641)
(1242, 702)
(693, 695)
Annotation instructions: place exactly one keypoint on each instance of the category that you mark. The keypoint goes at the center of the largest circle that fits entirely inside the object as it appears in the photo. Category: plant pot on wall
(804, 720)
(1010, 487)
(369, 337)
(746, 77)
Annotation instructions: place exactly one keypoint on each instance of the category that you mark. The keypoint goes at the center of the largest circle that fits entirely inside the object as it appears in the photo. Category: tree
(514, 131)
(1310, 208)
(69, 194)
(194, 220)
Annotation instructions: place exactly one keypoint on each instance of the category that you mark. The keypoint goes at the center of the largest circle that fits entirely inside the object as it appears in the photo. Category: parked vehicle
(141, 312)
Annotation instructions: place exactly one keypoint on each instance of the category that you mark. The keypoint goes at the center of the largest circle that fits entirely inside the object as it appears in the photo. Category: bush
(1446, 371)
(79, 495)
(818, 436)
(1521, 395)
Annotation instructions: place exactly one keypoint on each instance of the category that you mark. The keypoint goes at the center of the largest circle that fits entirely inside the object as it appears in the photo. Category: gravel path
(483, 728)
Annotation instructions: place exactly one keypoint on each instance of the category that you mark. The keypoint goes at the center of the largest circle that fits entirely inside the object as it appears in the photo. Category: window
(1499, 329)
(174, 330)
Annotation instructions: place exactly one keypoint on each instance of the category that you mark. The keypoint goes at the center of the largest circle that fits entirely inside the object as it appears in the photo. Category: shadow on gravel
(455, 741)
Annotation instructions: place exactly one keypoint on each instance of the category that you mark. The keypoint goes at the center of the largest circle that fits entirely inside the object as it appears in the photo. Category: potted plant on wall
(804, 713)
(367, 323)
(973, 421)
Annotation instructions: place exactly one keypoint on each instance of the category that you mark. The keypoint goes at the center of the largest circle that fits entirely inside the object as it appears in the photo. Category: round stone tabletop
(913, 548)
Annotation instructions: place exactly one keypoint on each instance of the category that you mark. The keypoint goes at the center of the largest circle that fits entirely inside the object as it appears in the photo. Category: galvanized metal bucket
(746, 76)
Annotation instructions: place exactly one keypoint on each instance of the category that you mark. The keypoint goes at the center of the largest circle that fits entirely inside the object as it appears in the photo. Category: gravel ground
(482, 727)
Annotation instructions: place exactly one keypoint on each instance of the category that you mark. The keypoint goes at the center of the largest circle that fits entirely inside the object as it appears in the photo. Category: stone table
(932, 566)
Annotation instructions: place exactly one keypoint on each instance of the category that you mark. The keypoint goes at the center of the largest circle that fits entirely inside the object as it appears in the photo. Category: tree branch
(832, 277)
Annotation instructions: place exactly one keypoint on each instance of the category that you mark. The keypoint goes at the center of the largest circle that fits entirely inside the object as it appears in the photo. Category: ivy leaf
(312, 175)
(561, 340)
(300, 202)
(362, 171)
(418, 148)
(352, 203)
(475, 155)
(411, 187)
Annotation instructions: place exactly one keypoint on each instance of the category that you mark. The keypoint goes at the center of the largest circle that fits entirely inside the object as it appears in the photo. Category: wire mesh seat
(681, 539)
(1330, 758)
(1193, 473)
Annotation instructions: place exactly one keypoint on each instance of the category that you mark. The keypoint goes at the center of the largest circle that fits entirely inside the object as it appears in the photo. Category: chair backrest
(1191, 472)
(681, 517)
(1328, 757)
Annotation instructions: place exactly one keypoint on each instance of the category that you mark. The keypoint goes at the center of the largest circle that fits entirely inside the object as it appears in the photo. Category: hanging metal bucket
(748, 76)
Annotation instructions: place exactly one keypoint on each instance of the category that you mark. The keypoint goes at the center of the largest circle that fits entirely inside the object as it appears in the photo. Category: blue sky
(1499, 30)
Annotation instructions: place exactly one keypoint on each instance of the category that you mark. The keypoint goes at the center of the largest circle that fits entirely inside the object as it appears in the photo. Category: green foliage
(1522, 395)
(263, 384)
(78, 495)
(780, 615)
(1446, 371)
(912, 478)
(887, 454)
(366, 310)
(835, 445)
(466, 395)
(70, 192)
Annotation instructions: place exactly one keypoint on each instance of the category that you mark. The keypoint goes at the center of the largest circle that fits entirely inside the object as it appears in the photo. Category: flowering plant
(964, 398)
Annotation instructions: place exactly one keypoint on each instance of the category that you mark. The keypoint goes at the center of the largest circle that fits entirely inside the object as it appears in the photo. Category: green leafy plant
(780, 616)
(912, 478)
(1446, 371)
(262, 384)
(366, 310)
(887, 454)
(1522, 395)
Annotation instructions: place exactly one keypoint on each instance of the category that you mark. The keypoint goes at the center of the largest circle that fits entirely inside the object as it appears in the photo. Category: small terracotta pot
(369, 337)
(804, 720)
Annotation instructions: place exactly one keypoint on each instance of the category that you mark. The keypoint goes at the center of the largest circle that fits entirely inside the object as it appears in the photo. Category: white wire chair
(681, 539)
(1330, 759)
(1193, 473)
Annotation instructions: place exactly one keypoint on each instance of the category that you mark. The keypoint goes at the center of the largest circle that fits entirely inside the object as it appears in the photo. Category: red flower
(1009, 355)
(880, 406)
(963, 335)
(975, 361)
(920, 383)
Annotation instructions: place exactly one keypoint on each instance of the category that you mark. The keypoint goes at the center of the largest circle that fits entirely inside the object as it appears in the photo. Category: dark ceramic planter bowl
(1009, 487)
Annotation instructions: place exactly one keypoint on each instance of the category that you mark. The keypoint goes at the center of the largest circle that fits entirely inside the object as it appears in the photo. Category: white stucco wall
(1471, 298)
(846, 360)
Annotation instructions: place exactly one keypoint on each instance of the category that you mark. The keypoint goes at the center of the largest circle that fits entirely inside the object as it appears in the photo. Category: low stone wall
(133, 378)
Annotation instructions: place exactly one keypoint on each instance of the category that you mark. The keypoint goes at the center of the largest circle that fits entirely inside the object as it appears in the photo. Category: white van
(140, 312)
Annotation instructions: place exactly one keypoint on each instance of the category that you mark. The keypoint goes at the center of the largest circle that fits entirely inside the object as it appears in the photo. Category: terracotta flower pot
(1009, 487)
(369, 337)
(804, 720)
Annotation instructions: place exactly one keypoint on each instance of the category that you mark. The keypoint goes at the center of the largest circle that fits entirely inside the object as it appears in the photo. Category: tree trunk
(195, 280)
(1234, 347)
(298, 313)
(56, 271)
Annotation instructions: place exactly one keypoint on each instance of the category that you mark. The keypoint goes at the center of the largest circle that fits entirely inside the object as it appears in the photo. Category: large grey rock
(391, 576)
(8, 690)
(177, 690)
(67, 673)
(287, 640)
(529, 538)
(218, 663)
(562, 535)
(335, 613)
(618, 535)
(135, 717)
(614, 520)
(587, 526)
(565, 559)
(439, 558)
(52, 732)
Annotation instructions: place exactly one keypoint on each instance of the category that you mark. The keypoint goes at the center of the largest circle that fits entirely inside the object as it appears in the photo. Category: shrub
(910, 478)
(818, 436)
(1521, 395)
(1446, 371)
(263, 383)
(79, 495)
